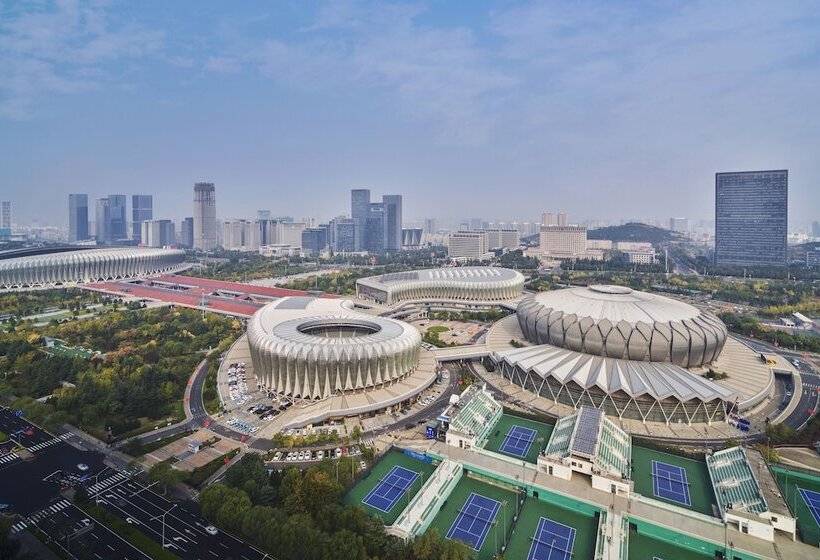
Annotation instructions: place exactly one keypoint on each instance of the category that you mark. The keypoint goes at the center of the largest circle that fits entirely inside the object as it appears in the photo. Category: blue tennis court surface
(390, 489)
(474, 520)
(552, 541)
(670, 483)
(518, 441)
(812, 500)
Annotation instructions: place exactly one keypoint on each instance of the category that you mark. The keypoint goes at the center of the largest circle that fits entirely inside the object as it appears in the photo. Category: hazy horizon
(493, 110)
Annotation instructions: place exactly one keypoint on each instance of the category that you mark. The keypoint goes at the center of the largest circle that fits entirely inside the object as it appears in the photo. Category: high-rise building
(563, 241)
(77, 217)
(680, 225)
(430, 226)
(5, 215)
(157, 233)
(815, 229)
(142, 209)
(314, 240)
(186, 233)
(562, 218)
(392, 221)
(102, 221)
(241, 235)
(359, 213)
(469, 245)
(263, 215)
(548, 219)
(751, 218)
(344, 235)
(118, 224)
(204, 216)
(502, 238)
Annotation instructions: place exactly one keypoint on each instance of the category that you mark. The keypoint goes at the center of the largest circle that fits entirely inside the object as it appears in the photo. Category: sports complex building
(501, 483)
(631, 354)
(56, 267)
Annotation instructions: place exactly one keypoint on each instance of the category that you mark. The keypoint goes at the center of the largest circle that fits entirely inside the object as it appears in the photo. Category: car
(82, 467)
(211, 530)
(338, 452)
(277, 455)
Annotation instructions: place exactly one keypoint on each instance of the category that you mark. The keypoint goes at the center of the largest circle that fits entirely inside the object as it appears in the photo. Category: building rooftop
(734, 482)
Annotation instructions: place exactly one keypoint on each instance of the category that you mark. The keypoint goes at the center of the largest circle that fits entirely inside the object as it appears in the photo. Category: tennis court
(796, 486)
(552, 541)
(474, 520)
(665, 485)
(373, 492)
(643, 546)
(812, 500)
(573, 531)
(518, 441)
(391, 488)
(670, 483)
(452, 516)
(518, 437)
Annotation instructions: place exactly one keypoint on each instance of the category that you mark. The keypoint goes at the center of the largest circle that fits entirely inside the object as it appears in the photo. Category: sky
(502, 109)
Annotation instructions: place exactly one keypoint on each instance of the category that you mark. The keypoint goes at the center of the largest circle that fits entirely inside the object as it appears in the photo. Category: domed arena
(633, 354)
(313, 348)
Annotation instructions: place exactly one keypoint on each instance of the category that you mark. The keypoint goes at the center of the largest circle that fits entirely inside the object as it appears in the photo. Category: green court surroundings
(499, 432)
(701, 495)
(499, 532)
(647, 543)
(392, 458)
(791, 482)
(585, 525)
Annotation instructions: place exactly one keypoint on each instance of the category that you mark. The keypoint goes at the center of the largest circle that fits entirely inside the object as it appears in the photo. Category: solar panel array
(587, 427)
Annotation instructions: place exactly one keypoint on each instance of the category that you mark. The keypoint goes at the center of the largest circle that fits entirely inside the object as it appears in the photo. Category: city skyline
(651, 118)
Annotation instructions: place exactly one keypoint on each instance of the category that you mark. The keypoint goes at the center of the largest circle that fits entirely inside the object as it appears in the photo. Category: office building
(751, 218)
(563, 241)
(562, 219)
(118, 218)
(157, 233)
(77, 217)
(502, 238)
(430, 226)
(102, 221)
(186, 233)
(344, 235)
(241, 235)
(468, 245)
(204, 217)
(815, 229)
(379, 224)
(5, 215)
(263, 215)
(680, 225)
(142, 209)
(639, 252)
(314, 240)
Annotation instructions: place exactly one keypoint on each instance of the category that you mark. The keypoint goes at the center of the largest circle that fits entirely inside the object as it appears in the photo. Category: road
(31, 485)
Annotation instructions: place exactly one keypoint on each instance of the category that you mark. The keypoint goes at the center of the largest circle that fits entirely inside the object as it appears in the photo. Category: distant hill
(633, 232)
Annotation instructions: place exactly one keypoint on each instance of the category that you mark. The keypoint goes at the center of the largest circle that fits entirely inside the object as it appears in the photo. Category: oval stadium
(66, 266)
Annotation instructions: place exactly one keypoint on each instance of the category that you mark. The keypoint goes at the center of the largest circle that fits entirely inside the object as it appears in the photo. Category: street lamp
(162, 516)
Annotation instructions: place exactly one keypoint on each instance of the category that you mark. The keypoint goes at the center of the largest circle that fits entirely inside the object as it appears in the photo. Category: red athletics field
(234, 298)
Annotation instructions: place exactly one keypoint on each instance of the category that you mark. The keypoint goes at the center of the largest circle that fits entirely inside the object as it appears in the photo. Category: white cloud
(62, 48)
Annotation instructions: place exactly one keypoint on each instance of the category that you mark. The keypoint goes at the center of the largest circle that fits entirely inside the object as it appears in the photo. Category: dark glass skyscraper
(118, 228)
(77, 217)
(751, 218)
(378, 224)
(142, 210)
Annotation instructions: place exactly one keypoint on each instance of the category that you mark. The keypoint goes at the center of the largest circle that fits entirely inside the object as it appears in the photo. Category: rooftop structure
(472, 417)
(618, 322)
(469, 283)
(69, 266)
(735, 485)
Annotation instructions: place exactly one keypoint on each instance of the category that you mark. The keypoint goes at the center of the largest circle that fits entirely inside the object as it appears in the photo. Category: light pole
(162, 516)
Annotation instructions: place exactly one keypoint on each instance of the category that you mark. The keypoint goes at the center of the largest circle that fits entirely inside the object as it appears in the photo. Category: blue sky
(494, 109)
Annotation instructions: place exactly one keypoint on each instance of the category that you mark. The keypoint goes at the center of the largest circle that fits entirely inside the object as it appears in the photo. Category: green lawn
(586, 529)
(378, 472)
(790, 482)
(700, 486)
(455, 503)
(507, 421)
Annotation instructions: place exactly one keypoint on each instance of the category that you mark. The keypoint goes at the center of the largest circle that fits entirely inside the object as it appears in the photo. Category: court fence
(687, 541)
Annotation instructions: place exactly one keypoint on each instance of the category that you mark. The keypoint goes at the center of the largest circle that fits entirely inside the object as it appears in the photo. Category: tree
(165, 475)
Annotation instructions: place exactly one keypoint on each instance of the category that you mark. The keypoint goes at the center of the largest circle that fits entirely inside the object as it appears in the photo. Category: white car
(277, 455)
(211, 530)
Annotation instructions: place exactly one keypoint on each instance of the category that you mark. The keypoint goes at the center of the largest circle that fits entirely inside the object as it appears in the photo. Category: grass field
(700, 487)
(455, 503)
(379, 471)
(789, 482)
(586, 528)
(646, 547)
(507, 421)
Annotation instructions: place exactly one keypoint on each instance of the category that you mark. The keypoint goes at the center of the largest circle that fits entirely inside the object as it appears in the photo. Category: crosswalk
(108, 482)
(42, 514)
(9, 457)
(48, 443)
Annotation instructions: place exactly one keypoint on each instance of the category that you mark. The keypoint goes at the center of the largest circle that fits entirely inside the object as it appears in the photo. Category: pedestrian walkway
(108, 482)
(9, 457)
(40, 515)
(49, 443)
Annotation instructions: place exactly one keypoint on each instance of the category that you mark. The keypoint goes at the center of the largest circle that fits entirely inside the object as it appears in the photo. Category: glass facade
(751, 218)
